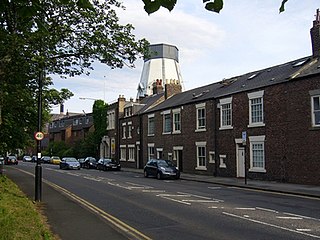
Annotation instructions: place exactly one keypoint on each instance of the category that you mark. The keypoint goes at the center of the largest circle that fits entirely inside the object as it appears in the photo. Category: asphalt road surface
(179, 209)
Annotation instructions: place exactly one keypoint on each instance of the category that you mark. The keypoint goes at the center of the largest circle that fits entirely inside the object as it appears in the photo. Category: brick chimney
(157, 86)
(315, 35)
(172, 87)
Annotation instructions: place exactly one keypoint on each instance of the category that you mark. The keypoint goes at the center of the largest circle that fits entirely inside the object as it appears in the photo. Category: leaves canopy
(152, 6)
(62, 37)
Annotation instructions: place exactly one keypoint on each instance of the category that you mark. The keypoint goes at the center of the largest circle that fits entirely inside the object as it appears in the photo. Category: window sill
(123, 160)
(200, 130)
(131, 160)
(260, 170)
(176, 132)
(150, 135)
(166, 133)
(222, 166)
(201, 168)
(252, 125)
(226, 128)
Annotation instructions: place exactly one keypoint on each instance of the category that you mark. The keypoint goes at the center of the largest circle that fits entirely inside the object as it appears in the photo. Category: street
(180, 209)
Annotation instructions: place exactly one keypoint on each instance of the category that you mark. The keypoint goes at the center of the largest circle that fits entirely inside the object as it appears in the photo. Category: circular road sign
(39, 136)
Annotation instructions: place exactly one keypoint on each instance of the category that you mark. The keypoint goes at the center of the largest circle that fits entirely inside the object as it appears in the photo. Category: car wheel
(159, 176)
(145, 173)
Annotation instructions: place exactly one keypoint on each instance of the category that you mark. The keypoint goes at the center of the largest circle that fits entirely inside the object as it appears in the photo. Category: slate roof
(244, 83)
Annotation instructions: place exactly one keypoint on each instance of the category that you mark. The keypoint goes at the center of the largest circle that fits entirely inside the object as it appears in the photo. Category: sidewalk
(286, 188)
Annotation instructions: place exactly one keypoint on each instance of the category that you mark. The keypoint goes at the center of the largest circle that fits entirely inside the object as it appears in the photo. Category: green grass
(20, 218)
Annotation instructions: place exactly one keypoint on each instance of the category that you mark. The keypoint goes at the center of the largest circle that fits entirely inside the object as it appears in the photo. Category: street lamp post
(38, 168)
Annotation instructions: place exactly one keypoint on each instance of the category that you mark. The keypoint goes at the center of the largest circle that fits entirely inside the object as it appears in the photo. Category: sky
(247, 35)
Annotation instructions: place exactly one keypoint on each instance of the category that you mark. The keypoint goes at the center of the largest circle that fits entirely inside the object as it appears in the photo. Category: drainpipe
(215, 173)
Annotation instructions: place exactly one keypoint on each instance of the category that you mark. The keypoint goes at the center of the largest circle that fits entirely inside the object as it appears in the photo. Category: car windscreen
(164, 163)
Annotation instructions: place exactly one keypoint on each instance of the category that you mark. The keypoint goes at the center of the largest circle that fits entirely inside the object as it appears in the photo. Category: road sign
(39, 136)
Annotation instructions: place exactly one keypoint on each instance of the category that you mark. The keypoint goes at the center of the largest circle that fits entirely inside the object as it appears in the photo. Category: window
(222, 161)
(201, 117)
(111, 120)
(167, 127)
(212, 157)
(75, 122)
(316, 111)
(129, 129)
(124, 130)
(150, 151)
(201, 155)
(176, 121)
(131, 150)
(151, 125)
(226, 113)
(128, 111)
(256, 109)
(123, 153)
(257, 159)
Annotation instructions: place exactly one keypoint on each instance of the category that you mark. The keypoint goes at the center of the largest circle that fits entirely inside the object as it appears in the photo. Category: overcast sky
(247, 35)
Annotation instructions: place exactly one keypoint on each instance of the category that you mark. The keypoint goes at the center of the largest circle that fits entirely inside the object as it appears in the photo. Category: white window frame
(212, 157)
(130, 129)
(123, 152)
(124, 127)
(255, 140)
(166, 114)
(111, 120)
(131, 153)
(225, 102)
(315, 112)
(151, 154)
(151, 116)
(200, 128)
(201, 145)
(222, 161)
(175, 122)
(253, 96)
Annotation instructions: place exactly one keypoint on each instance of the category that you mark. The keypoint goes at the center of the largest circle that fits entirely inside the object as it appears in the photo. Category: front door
(240, 162)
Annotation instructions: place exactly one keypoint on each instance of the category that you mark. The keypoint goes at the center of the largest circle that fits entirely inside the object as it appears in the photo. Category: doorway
(240, 162)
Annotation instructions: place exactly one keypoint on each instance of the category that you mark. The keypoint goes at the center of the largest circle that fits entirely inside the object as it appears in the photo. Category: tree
(99, 113)
(62, 37)
(152, 6)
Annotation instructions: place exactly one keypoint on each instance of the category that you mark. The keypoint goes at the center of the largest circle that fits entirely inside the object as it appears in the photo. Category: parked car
(90, 162)
(45, 159)
(81, 161)
(11, 160)
(26, 158)
(55, 160)
(34, 158)
(108, 164)
(161, 168)
(69, 163)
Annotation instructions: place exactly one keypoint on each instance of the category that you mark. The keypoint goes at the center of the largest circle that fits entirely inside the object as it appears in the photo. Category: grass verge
(20, 218)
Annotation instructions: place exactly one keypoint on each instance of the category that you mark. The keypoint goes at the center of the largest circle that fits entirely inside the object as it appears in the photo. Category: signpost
(244, 143)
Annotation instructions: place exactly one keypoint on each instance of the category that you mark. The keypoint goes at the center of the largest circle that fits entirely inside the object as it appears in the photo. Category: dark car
(11, 160)
(45, 159)
(90, 162)
(161, 168)
(81, 161)
(108, 164)
(69, 163)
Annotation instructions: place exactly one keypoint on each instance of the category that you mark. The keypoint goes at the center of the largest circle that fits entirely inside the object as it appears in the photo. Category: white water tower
(162, 64)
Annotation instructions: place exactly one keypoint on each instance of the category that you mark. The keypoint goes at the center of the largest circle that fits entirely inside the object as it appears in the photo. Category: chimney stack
(172, 87)
(315, 35)
(157, 86)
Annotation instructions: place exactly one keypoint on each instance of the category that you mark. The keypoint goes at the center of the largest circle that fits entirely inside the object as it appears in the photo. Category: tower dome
(162, 63)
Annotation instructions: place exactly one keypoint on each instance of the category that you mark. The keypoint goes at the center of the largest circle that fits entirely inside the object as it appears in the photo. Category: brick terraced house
(265, 124)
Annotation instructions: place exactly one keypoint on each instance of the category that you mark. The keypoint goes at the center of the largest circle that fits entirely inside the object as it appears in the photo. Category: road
(179, 209)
